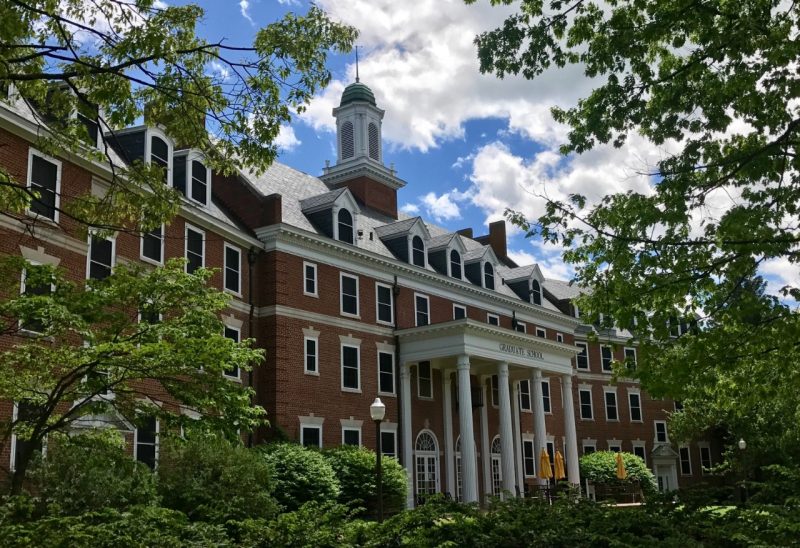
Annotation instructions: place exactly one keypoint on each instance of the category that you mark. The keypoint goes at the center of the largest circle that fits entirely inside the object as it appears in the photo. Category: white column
(573, 470)
(486, 457)
(469, 472)
(517, 437)
(506, 432)
(449, 455)
(539, 428)
(408, 459)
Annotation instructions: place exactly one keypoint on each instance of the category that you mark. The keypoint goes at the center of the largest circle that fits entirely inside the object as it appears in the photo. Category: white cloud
(780, 273)
(443, 207)
(411, 209)
(287, 140)
(244, 7)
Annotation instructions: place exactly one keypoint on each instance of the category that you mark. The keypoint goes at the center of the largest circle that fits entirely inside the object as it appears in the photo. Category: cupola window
(159, 154)
(536, 293)
(374, 142)
(455, 264)
(417, 251)
(348, 142)
(488, 276)
(345, 221)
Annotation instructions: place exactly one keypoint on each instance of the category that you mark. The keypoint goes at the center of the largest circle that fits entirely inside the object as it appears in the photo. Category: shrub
(601, 467)
(300, 475)
(355, 470)
(209, 479)
(91, 471)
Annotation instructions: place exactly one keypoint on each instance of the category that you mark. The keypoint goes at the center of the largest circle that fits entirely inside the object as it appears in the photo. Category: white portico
(467, 349)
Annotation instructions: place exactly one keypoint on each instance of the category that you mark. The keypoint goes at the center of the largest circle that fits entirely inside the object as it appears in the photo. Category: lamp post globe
(742, 444)
(377, 411)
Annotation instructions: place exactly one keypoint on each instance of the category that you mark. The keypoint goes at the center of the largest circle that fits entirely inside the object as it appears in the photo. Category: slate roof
(393, 229)
(321, 201)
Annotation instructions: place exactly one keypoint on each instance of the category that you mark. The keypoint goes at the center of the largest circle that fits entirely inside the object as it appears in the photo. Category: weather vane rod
(357, 79)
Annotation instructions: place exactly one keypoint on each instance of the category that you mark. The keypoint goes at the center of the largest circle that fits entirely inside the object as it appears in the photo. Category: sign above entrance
(520, 351)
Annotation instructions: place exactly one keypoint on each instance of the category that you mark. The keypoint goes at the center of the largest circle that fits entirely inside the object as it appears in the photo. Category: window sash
(389, 443)
(195, 250)
(350, 368)
(44, 178)
(349, 289)
(310, 279)
(607, 356)
(385, 373)
(101, 257)
(459, 312)
(421, 305)
(585, 397)
(310, 351)
(525, 395)
(384, 300)
(424, 380)
(233, 267)
(611, 406)
(233, 334)
(635, 407)
(351, 436)
(153, 245)
(546, 396)
(311, 436)
(582, 359)
(199, 175)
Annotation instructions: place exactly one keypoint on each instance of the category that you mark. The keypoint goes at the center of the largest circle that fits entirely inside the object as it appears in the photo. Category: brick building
(352, 300)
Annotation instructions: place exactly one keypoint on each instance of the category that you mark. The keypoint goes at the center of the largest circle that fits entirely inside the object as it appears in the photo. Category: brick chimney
(496, 239)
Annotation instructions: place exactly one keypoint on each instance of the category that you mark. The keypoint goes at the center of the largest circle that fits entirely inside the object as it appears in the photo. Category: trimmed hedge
(601, 467)
(300, 475)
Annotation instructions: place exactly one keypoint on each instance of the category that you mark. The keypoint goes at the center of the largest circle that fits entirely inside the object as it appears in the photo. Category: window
(311, 435)
(427, 463)
(310, 279)
(559, 337)
(351, 368)
(345, 223)
(347, 141)
(233, 269)
(546, 396)
(497, 469)
(588, 448)
(536, 292)
(493, 319)
(417, 251)
(146, 441)
(551, 451)
(35, 283)
(528, 458)
(678, 406)
(199, 180)
(234, 334)
(582, 359)
(311, 354)
(389, 443)
(525, 395)
(153, 245)
(421, 306)
(521, 327)
(541, 332)
(495, 390)
(705, 459)
(459, 312)
(44, 178)
(424, 380)
(635, 405)
(101, 258)
(195, 249)
(488, 276)
(383, 296)
(351, 436)
(640, 452)
(349, 294)
(455, 264)
(24, 412)
(607, 356)
(661, 432)
(374, 141)
(614, 447)
(611, 406)
(686, 461)
(630, 358)
(159, 155)
(585, 396)
(385, 372)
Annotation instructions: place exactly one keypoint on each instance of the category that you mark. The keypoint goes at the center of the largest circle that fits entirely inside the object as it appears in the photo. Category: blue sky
(469, 145)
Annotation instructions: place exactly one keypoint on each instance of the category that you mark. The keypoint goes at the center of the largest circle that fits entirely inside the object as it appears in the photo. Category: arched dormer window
(374, 142)
(348, 141)
(536, 293)
(488, 276)
(199, 180)
(159, 155)
(417, 251)
(455, 264)
(345, 222)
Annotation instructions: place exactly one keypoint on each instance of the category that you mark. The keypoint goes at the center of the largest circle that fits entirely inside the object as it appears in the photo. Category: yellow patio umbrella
(621, 472)
(545, 472)
(560, 466)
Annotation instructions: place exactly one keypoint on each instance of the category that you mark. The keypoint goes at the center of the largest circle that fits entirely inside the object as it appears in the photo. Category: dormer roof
(406, 226)
(483, 253)
(523, 273)
(326, 200)
(446, 241)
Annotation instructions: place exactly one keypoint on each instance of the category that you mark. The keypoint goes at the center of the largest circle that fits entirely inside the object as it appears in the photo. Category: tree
(601, 467)
(103, 355)
(95, 67)
(716, 80)
(300, 475)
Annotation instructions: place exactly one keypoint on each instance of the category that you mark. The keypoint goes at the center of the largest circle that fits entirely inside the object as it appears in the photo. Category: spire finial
(357, 79)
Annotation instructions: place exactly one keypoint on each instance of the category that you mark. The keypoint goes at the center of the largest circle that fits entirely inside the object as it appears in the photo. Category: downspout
(252, 256)
(400, 425)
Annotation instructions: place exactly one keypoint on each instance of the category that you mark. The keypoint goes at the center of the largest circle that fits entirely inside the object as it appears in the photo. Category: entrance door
(663, 479)
(497, 468)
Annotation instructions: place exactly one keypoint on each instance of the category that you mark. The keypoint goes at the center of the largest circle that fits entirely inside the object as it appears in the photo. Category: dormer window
(417, 251)
(159, 154)
(536, 292)
(345, 226)
(455, 264)
(488, 276)
(199, 182)
(191, 176)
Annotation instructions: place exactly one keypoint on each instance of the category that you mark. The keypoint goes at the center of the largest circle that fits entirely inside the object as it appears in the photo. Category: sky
(469, 145)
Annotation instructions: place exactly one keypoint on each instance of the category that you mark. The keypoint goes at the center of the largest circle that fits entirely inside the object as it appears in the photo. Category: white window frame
(522, 408)
(113, 240)
(144, 257)
(541, 332)
(580, 403)
(13, 445)
(588, 443)
(430, 378)
(585, 346)
(310, 426)
(157, 444)
(528, 440)
(313, 267)
(357, 346)
(352, 429)
(238, 376)
(194, 156)
(391, 430)
(655, 432)
(187, 227)
(490, 317)
(630, 407)
(377, 304)
(701, 446)
(523, 325)
(640, 444)
(610, 390)
(385, 349)
(625, 351)
(462, 307)
(57, 203)
(238, 250)
(416, 311)
(22, 285)
(560, 337)
(615, 446)
(688, 459)
(311, 335)
(148, 153)
(410, 240)
(342, 276)
(549, 396)
(602, 360)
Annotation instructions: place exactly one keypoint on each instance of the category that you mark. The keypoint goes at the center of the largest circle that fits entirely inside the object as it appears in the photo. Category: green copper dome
(357, 92)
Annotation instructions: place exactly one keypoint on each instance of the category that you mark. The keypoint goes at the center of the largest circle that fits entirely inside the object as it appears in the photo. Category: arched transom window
(536, 293)
(427, 463)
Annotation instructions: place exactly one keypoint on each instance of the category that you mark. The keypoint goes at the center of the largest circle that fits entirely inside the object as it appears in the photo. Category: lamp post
(377, 411)
(743, 485)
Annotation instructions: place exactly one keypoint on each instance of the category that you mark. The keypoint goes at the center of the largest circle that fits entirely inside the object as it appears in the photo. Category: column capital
(463, 362)
(537, 373)
(567, 380)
